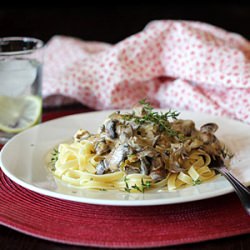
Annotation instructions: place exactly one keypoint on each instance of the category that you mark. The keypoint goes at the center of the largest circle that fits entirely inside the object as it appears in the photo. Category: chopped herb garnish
(146, 105)
(54, 158)
(158, 118)
(197, 182)
(136, 188)
(127, 189)
(145, 185)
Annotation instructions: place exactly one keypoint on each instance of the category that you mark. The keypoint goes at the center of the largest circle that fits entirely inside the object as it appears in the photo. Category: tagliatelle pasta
(138, 151)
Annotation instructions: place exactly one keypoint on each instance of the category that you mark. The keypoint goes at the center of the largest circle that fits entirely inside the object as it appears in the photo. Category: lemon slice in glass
(19, 113)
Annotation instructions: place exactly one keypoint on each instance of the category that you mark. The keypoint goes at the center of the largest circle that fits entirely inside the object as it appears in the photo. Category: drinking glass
(21, 60)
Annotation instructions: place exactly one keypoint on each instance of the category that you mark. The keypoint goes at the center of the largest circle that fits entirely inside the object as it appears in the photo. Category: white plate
(23, 161)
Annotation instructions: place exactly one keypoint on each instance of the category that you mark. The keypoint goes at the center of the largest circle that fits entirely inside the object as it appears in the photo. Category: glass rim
(38, 44)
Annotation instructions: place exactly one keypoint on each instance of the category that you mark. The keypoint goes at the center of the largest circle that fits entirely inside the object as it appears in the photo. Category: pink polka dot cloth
(182, 65)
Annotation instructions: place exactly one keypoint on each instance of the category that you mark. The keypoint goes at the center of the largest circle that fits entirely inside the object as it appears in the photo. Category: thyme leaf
(127, 189)
(158, 118)
(197, 182)
(54, 158)
(137, 188)
(145, 185)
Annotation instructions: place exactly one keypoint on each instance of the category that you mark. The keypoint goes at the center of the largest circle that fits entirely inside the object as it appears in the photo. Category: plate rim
(141, 202)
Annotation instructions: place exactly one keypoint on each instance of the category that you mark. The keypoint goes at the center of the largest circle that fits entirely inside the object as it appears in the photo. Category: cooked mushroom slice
(192, 144)
(135, 126)
(101, 129)
(101, 168)
(117, 156)
(148, 152)
(101, 147)
(158, 174)
(139, 143)
(158, 171)
(81, 134)
(116, 116)
(163, 141)
(156, 138)
(207, 137)
(174, 166)
(139, 111)
(211, 144)
(130, 169)
(187, 127)
(209, 127)
(145, 165)
(110, 128)
(124, 132)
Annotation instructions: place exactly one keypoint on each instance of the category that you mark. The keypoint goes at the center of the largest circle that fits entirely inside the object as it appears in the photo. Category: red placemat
(108, 226)
(125, 227)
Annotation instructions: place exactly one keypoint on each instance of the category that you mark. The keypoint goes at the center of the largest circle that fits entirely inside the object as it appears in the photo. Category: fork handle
(241, 190)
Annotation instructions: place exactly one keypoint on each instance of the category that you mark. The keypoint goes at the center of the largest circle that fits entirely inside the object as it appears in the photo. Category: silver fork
(241, 190)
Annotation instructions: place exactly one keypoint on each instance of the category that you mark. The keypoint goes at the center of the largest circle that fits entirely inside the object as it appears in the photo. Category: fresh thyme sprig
(158, 118)
(158, 115)
(146, 105)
